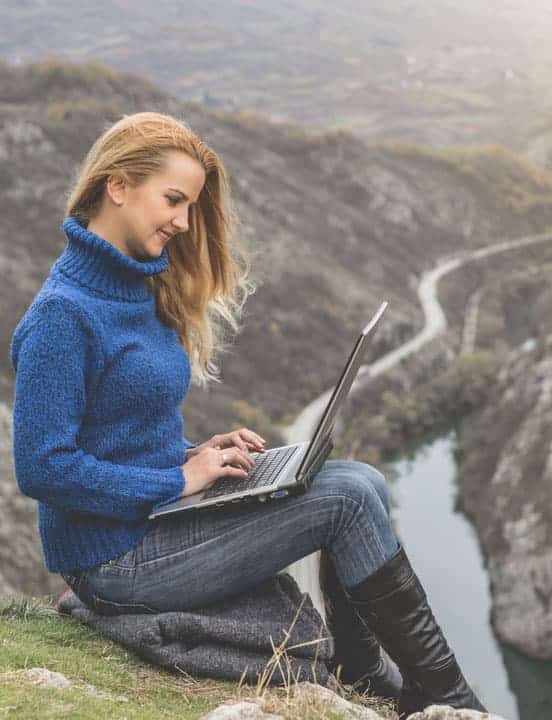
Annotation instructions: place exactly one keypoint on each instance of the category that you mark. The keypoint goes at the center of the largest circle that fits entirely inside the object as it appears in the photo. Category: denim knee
(354, 485)
(377, 479)
(364, 538)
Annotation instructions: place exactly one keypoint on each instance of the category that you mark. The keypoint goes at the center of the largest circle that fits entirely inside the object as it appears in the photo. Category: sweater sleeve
(177, 495)
(51, 356)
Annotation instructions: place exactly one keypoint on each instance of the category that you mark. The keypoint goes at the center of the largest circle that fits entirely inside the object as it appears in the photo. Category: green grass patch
(34, 635)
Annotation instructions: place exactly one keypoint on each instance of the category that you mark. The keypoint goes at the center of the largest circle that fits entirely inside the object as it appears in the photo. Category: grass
(33, 634)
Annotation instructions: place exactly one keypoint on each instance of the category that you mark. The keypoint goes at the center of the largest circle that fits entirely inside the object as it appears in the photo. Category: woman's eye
(172, 200)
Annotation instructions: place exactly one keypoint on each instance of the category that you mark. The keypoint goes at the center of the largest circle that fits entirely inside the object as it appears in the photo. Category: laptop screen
(341, 390)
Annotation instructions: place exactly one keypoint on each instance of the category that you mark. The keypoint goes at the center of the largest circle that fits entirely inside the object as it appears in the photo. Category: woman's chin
(147, 257)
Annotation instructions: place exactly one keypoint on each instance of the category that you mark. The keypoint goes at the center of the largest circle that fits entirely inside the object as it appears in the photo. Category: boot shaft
(393, 603)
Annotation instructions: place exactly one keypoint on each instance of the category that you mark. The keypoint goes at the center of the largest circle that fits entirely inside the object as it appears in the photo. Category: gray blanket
(225, 639)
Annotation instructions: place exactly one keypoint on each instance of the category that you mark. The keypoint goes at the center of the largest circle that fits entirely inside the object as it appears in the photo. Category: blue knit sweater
(97, 428)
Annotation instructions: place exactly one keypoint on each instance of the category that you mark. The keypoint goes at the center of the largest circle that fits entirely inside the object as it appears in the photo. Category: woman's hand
(244, 439)
(205, 467)
(211, 460)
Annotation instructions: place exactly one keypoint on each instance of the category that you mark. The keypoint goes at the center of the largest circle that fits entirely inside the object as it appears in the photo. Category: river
(445, 552)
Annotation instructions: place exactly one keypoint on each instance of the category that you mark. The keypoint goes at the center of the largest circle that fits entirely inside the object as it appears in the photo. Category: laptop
(285, 470)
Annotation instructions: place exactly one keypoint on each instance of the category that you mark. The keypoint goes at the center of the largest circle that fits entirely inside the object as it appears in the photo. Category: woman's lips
(163, 236)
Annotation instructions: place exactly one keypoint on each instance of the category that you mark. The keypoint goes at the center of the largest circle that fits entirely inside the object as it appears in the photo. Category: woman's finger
(236, 471)
(253, 437)
(249, 462)
(224, 441)
(242, 458)
(237, 440)
(255, 447)
(243, 439)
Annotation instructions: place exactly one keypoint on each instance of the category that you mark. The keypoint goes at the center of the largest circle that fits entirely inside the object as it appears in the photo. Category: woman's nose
(180, 223)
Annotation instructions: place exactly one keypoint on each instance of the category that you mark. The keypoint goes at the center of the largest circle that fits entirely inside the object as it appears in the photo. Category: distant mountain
(433, 72)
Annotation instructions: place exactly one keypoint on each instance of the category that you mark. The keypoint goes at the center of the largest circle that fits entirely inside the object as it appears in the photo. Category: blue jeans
(193, 558)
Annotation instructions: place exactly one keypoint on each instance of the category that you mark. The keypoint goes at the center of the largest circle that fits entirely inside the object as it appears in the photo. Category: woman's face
(158, 208)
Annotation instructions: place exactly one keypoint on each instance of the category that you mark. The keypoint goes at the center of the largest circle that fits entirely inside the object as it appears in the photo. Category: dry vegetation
(33, 634)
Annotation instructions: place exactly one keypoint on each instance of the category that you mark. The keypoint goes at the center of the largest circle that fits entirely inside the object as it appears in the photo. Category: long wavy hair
(208, 279)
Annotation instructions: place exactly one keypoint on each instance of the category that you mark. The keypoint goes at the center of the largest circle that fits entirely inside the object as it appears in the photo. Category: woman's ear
(116, 189)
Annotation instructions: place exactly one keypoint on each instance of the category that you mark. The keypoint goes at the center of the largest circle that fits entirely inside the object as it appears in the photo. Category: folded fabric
(224, 639)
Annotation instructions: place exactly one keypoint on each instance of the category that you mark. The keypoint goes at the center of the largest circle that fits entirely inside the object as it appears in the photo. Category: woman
(103, 359)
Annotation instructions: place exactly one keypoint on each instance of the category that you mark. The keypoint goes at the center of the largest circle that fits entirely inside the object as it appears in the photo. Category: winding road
(306, 570)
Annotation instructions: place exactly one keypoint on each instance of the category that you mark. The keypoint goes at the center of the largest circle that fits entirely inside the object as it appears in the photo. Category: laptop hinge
(323, 452)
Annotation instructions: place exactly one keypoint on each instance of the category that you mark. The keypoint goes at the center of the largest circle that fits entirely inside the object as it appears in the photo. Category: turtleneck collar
(98, 265)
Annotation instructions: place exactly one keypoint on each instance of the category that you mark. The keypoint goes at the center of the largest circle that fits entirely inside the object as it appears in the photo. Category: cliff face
(505, 486)
(21, 566)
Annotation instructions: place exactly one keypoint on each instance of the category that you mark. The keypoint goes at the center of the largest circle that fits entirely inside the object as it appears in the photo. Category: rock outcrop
(316, 695)
(505, 486)
(22, 569)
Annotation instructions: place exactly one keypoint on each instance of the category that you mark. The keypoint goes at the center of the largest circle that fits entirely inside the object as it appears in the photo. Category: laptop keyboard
(266, 470)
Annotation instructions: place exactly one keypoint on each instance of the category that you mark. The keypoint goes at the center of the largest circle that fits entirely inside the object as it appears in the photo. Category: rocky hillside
(334, 226)
(505, 477)
(506, 488)
(21, 565)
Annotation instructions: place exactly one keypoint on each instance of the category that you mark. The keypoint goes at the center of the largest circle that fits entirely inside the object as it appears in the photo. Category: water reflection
(531, 681)
(444, 550)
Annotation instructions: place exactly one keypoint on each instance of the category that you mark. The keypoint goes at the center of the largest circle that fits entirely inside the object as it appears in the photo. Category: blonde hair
(208, 277)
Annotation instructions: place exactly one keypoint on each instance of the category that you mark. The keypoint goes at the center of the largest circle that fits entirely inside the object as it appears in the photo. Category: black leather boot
(363, 663)
(394, 604)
